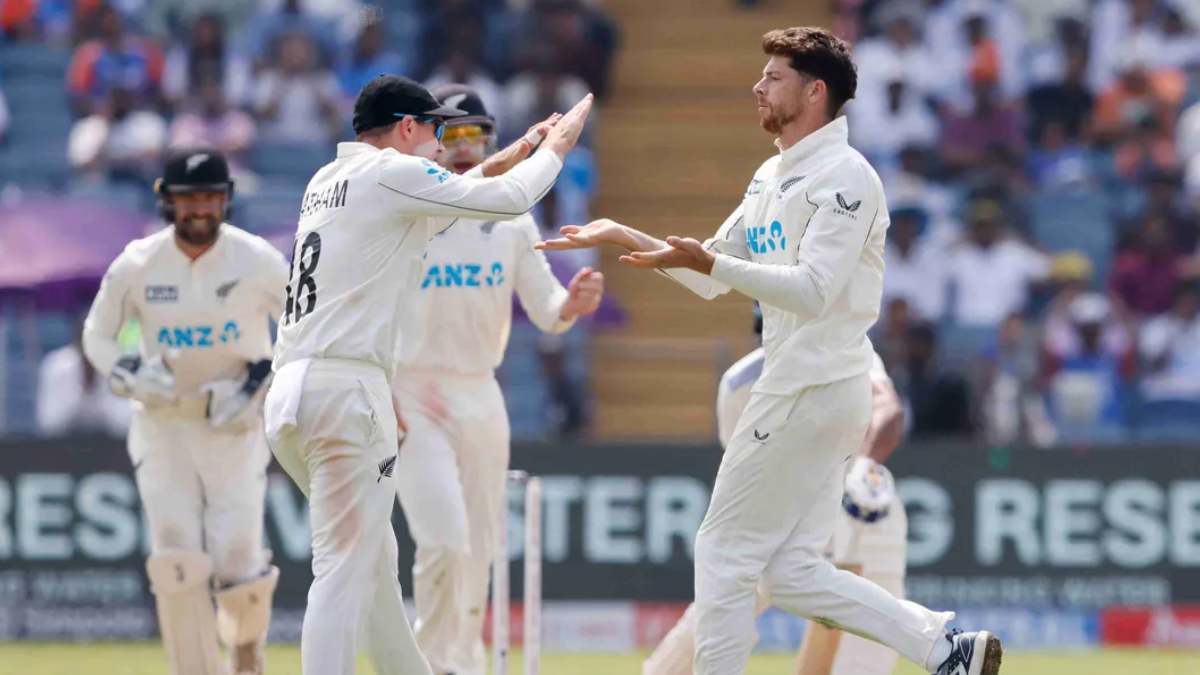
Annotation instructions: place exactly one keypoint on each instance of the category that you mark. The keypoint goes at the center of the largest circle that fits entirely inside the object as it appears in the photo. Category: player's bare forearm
(499, 163)
(602, 232)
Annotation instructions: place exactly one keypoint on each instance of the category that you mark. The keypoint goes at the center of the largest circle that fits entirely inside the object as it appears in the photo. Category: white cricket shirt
(733, 393)
(807, 243)
(471, 271)
(207, 316)
(365, 221)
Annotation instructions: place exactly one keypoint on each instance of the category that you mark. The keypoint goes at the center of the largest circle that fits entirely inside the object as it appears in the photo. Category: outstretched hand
(596, 233)
(500, 163)
(679, 252)
(566, 131)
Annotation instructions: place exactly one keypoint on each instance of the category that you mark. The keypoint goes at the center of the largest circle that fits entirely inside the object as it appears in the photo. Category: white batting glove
(234, 404)
(870, 490)
(149, 381)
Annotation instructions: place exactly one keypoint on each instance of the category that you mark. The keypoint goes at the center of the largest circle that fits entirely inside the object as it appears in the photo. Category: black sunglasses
(439, 128)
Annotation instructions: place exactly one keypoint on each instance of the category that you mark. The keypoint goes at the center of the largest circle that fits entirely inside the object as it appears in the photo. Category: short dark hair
(819, 54)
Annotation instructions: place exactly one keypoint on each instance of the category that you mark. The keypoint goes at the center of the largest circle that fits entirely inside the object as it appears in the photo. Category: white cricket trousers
(341, 451)
(451, 478)
(877, 549)
(202, 489)
(773, 510)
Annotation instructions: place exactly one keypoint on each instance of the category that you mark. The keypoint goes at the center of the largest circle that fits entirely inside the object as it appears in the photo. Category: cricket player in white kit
(871, 542)
(205, 293)
(365, 221)
(452, 471)
(807, 243)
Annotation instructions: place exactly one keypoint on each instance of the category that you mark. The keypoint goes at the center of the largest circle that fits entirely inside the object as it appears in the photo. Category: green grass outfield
(47, 658)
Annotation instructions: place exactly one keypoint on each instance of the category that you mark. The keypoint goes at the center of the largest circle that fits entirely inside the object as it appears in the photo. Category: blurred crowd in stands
(272, 83)
(1041, 160)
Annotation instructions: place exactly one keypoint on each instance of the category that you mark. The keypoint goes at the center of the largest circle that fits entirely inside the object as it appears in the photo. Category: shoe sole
(992, 653)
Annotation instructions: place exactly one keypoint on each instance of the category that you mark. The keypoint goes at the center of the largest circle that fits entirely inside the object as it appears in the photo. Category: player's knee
(242, 559)
(793, 573)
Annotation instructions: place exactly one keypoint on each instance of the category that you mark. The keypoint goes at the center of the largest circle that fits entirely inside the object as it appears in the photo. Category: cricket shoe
(974, 653)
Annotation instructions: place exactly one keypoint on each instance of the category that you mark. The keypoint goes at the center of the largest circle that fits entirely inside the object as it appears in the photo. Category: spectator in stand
(913, 182)
(1005, 397)
(896, 53)
(1181, 42)
(1072, 275)
(295, 99)
(890, 333)
(73, 398)
(545, 88)
(168, 19)
(1067, 102)
(462, 64)
(967, 137)
(1059, 159)
(915, 270)
(114, 59)
(281, 19)
(937, 400)
(1118, 26)
(370, 55)
(990, 271)
(120, 142)
(1163, 194)
(1144, 277)
(205, 58)
(1170, 349)
(210, 121)
(580, 37)
(881, 127)
(1085, 386)
(1142, 93)
(969, 36)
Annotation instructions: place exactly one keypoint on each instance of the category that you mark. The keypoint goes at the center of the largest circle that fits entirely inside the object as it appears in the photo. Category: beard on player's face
(774, 116)
(197, 229)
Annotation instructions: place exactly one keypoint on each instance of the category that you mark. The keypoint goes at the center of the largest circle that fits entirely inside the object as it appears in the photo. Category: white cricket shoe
(975, 653)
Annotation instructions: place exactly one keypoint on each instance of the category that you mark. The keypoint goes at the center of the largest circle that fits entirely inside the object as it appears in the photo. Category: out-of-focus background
(1041, 317)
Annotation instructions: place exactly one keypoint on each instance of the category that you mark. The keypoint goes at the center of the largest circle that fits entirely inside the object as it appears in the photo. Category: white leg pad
(244, 610)
(186, 617)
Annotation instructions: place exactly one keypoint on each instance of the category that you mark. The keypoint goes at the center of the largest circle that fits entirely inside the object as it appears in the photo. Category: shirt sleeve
(112, 306)
(539, 291)
(275, 278)
(730, 240)
(426, 189)
(829, 249)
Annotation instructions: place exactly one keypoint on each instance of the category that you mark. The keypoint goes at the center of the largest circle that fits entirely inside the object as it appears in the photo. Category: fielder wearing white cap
(351, 308)
(205, 293)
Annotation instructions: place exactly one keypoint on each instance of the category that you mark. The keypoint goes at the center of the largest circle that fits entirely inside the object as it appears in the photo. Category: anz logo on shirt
(464, 275)
(199, 337)
(766, 239)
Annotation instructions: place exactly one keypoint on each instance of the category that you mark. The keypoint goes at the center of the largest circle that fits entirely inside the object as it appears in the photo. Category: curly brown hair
(819, 54)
